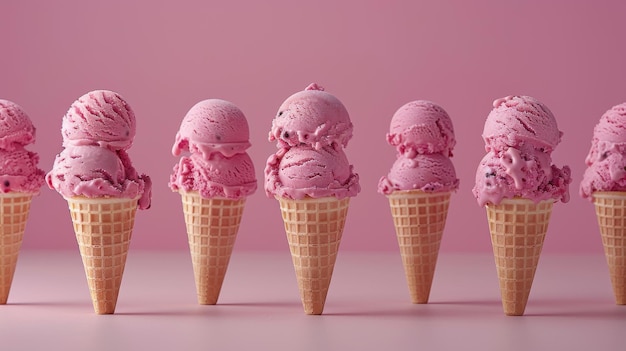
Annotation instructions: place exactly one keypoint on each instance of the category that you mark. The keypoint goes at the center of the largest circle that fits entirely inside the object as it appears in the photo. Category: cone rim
(313, 199)
(100, 200)
(609, 195)
(519, 200)
(183, 192)
(416, 193)
(16, 194)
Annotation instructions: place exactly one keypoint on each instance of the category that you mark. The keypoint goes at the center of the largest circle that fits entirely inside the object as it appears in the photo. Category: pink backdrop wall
(163, 57)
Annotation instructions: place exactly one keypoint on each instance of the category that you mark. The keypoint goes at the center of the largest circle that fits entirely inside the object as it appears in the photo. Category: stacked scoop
(312, 179)
(418, 186)
(103, 190)
(20, 180)
(604, 182)
(213, 181)
(517, 183)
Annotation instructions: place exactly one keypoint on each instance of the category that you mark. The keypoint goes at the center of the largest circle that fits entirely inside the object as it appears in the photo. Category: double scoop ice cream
(214, 134)
(97, 131)
(517, 183)
(606, 161)
(423, 135)
(311, 130)
(313, 181)
(19, 172)
(520, 135)
(20, 180)
(95, 175)
(214, 176)
(604, 183)
(419, 185)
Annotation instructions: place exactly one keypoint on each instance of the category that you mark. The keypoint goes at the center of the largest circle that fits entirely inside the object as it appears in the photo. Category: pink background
(163, 57)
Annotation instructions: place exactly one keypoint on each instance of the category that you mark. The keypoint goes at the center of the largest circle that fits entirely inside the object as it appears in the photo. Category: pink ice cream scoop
(16, 129)
(606, 160)
(519, 120)
(100, 117)
(609, 174)
(306, 171)
(612, 125)
(526, 174)
(218, 176)
(311, 117)
(422, 127)
(426, 172)
(213, 125)
(609, 134)
(94, 171)
(520, 134)
(19, 172)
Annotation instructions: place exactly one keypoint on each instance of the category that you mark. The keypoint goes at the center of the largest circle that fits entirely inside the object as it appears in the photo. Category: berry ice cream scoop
(524, 173)
(425, 172)
(422, 127)
(15, 127)
(518, 120)
(94, 171)
(308, 172)
(19, 171)
(213, 125)
(102, 118)
(311, 117)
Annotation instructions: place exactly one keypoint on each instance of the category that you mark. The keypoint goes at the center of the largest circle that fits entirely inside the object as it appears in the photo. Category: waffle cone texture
(14, 209)
(419, 219)
(518, 228)
(103, 228)
(314, 228)
(611, 215)
(212, 226)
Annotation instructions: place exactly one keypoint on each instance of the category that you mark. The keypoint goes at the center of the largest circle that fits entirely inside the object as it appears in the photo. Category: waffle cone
(103, 228)
(419, 219)
(314, 228)
(518, 228)
(14, 209)
(611, 214)
(212, 226)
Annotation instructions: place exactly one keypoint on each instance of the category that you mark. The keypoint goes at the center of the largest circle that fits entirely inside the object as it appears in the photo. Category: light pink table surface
(570, 308)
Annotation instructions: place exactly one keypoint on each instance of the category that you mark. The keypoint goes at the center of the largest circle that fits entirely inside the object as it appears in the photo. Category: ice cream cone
(314, 228)
(103, 228)
(14, 209)
(419, 219)
(212, 226)
(611, 214)
(518, 228)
